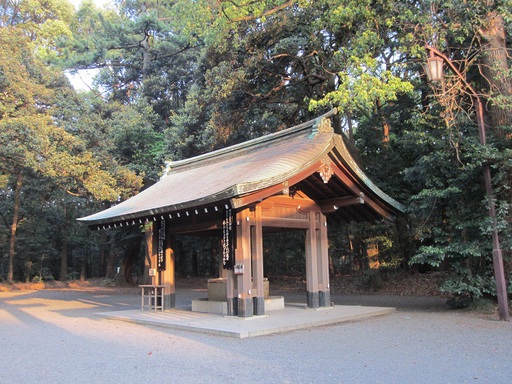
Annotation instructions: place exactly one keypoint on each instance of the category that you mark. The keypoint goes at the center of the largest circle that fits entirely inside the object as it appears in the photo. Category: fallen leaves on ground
(395, 283)
(389, 283)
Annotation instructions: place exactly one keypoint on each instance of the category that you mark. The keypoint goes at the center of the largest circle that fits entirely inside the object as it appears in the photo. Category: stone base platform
(291, 318)
(272, 303)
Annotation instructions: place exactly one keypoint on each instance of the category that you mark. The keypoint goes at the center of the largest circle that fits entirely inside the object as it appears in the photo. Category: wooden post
(257, 263)
(323, 261)
(150, 259)
(153, 239)
(169, 275)
(162, 242)
(312, 296)
(232, 302)
(243, 260)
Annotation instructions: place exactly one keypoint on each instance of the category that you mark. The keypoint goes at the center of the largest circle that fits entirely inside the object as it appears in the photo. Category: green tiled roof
(219, 177)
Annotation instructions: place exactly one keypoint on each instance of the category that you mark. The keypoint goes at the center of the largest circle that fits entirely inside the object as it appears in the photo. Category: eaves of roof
(344, 156)
(218, 176)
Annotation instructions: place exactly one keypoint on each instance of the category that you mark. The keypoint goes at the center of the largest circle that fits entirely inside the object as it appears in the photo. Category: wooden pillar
(232, 302)
(323, 261)
(228, 230)
(169, 275)
(150, 259)
(163, 242)
(242, 268)
(257, 263)
(312, 295)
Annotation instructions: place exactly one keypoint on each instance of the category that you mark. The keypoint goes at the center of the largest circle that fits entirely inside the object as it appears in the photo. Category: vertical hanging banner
(160, 252)
(228, 237)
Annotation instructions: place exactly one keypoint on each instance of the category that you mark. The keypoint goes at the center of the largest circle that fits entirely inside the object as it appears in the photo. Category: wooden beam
(345, 179)
(307, 208)
(301, 205)
(332, 205)
(286, 201)
(257, 196)
(285, 223)
(385, 213)
(273, 190)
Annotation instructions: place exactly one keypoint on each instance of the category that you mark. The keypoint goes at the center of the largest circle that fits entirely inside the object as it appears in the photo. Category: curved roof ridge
(300, 128)
(254, 170)
(248, 187)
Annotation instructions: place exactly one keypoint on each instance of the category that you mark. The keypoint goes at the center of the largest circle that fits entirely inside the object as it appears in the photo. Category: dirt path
(54, 336)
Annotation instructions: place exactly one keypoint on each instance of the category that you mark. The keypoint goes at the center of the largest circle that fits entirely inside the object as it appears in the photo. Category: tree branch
(187, 47)
(252, 17)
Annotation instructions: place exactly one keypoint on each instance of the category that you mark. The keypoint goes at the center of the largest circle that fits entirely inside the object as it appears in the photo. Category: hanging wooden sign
(228, 236)
(160, 256)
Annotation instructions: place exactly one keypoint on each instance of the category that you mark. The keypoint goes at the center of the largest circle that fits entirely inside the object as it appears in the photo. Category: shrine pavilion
(292, 180)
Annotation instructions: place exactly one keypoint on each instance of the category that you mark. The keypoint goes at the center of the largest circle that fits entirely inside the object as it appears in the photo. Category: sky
(98, 3)
(83, 80)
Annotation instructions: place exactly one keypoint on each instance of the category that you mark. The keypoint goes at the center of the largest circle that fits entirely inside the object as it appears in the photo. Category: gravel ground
(53, 336)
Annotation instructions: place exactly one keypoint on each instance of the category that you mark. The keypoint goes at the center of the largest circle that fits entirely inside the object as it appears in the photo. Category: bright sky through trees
(99, 3)
(83, 80)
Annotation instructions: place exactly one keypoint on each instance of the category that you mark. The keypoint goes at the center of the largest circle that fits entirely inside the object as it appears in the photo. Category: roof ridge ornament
(322, 125)
(167, 169)
(326, 170)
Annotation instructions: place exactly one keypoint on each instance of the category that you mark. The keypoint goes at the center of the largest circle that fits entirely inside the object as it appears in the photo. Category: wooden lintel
(286, 200)
(285, 223)
(299, 203)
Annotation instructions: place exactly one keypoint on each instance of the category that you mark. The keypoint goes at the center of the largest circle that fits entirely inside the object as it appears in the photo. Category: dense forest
(177, 78)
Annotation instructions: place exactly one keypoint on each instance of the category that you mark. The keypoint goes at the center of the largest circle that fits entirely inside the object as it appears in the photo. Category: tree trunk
(385, 124)
(64, 258)
(14, 226)
(146, 56)
(64, 249)
(350, 128)
(195, 266)
(103, 254)
(110, 269)
(83, 270)
(130, 260)
(214, 262)
(495, 68)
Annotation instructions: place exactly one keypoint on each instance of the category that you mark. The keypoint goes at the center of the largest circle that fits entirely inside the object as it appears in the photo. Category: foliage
(449, 227)
(284, 254)
(38, 145)
(180, 78)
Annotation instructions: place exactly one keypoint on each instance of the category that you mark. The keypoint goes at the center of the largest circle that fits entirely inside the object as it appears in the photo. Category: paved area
(54, 337)
(293, 317)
